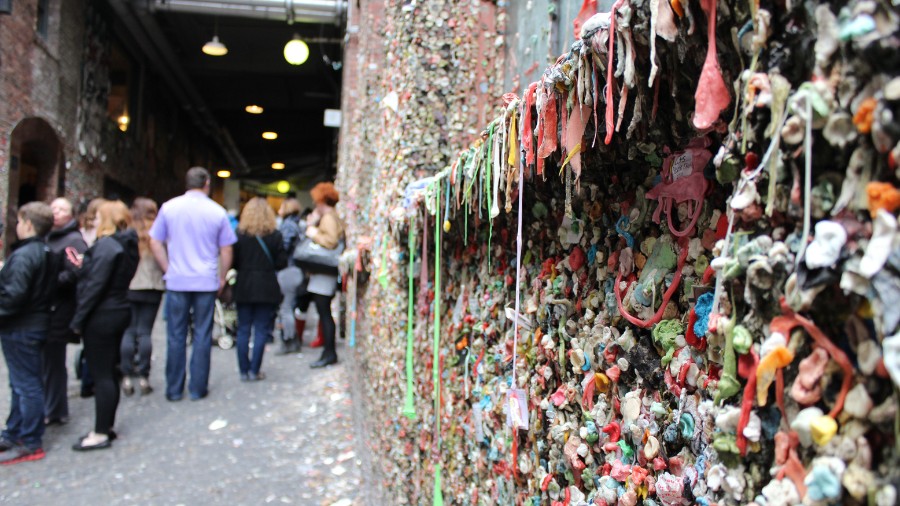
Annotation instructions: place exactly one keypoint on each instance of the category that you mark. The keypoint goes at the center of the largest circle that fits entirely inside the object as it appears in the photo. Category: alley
(290, 439)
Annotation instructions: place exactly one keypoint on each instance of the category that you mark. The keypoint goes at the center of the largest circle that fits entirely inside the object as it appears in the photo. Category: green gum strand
(742, 339)
(728, 383)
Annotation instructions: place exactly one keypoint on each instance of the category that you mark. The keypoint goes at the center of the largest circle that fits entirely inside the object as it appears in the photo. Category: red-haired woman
(144, 293)
(325, 228)
(103, 313)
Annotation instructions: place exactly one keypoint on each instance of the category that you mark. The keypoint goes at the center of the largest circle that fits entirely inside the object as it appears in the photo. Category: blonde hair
(257, 218)
(143, 213)
(114, 217)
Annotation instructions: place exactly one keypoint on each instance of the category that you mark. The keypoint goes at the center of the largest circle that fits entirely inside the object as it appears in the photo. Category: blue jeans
(22, 350)
(259, 317)
(181, 308)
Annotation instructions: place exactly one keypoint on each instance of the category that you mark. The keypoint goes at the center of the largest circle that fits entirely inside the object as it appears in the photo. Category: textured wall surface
(708, 276)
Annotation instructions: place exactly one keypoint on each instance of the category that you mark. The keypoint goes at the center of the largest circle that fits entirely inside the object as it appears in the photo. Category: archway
(36, 169)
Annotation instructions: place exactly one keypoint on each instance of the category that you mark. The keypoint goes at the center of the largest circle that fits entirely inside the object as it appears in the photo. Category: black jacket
(105, 275)
(63, 300)
(26, 282)
(257, 280)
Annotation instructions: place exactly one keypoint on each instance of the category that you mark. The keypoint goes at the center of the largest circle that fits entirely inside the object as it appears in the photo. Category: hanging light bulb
(296, 51)
(214, 47)
(283, 186)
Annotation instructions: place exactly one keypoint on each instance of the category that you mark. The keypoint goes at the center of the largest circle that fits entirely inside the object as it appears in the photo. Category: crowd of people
(101, 282)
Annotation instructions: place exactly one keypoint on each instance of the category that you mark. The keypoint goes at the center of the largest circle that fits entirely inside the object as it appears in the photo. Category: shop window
(43, 18)
(120, 79)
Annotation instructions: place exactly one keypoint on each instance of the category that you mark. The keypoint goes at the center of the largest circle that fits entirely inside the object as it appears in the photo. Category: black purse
(316, 259)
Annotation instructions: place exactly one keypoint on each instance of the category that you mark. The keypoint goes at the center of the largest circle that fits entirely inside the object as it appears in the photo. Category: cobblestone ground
(290, 439)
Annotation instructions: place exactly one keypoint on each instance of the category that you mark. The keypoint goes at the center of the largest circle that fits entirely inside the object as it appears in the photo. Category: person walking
(258, 255)
(64, 240)
(102, 313)
(292, 231)
(26, 282)
(190, 234)
(325, 228)
(145, 294)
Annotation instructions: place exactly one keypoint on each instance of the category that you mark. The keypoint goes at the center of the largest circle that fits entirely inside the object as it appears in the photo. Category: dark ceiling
(254, 71)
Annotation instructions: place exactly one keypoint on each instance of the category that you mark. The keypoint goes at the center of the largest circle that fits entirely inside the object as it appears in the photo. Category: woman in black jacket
(103, 313)
(63, 236)
(258, 255)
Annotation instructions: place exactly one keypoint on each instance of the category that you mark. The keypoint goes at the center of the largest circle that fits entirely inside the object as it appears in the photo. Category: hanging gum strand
(788, 320)
(774, 361)
(747, 369)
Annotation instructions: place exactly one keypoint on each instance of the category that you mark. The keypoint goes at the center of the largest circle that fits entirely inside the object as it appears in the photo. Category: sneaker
(20, 454)
(6, 444)
(127, 386)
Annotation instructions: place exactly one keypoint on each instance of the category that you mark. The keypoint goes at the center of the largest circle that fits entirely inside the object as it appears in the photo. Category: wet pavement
(290, 439)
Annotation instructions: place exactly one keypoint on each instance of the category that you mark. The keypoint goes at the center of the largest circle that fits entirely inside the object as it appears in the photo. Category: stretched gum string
(666, 297)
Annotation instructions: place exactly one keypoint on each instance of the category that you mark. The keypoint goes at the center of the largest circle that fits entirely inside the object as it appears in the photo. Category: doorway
(36, 169)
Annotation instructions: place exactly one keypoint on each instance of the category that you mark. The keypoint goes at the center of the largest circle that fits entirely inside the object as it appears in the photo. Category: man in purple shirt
(191, 240)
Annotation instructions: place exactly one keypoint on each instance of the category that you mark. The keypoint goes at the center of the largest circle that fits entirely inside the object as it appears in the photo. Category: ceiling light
(283, 186)
(123, 121)
(253, 109)
(269, 136)
(224, 174)
(277, 165)
(214, 47)
(296, 51)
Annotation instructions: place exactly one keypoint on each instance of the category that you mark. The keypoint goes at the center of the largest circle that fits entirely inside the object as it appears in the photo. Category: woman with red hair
(103, 313)
(325, 228)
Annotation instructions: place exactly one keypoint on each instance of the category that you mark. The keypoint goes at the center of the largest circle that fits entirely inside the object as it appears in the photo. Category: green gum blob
(742, 339)
(726, 443)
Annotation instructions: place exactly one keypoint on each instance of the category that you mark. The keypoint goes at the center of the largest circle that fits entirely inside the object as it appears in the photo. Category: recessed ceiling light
(269, 136)
(253, 109)
(224, 174)
(214, 47)
(277, 165)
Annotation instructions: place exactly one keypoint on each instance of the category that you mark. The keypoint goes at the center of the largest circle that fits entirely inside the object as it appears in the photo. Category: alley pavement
(289, 439)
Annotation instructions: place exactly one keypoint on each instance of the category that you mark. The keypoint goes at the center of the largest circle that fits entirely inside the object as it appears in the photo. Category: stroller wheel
(225, 341)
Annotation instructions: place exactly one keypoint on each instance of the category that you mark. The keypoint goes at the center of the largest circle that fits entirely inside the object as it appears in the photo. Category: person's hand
(312, 218)
(74, 257)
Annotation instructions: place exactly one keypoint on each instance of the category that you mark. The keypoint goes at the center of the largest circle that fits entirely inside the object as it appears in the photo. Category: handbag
(316, 259)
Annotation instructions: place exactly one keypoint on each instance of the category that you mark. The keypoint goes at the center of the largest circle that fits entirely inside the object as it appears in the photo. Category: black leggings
(323, 307)
(102, 341)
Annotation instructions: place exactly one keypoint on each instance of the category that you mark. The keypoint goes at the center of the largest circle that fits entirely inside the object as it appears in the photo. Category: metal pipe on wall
(303, 11)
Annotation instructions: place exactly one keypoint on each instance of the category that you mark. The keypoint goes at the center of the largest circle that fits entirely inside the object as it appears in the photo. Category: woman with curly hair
(145, 294)
(102, 313)
(325, 228)
(258, 256)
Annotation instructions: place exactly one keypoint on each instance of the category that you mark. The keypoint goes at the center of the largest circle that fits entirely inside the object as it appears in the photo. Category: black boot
(324, 361)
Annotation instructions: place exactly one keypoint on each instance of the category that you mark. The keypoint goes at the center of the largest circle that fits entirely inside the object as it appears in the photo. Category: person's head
(112, 216)
(90, 213)
(143, 212)
(197, 178)
(62, 212)
(257, 218)
(324, 195)
(34, 219)
(289, 207)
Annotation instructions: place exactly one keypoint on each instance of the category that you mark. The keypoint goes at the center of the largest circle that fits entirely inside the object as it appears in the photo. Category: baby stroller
(224, 325)
(224, 328)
